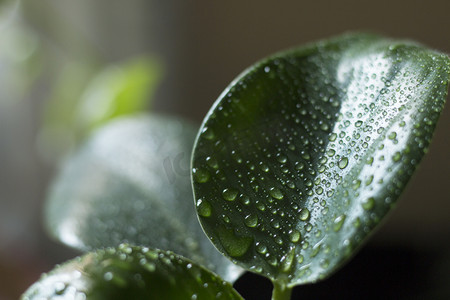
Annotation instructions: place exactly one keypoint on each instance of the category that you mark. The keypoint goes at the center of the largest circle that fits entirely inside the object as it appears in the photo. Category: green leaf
(119, 90)
(130, 183)
(304, 153)
(130, 272)
(86, 97)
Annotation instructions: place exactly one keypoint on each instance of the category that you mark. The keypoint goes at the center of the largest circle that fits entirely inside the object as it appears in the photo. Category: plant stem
(281, 291)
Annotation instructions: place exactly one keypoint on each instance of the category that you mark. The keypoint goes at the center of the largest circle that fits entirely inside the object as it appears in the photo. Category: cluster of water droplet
(130, 272)
(304, 146)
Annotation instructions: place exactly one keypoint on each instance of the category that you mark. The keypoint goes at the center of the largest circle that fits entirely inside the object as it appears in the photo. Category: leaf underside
(304, 153)
(130, 272)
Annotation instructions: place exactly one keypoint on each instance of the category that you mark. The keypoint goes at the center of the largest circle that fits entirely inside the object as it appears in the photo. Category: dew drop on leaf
(392, 135)
(229, 194)
(234, 245)
(204, 208)
(304, 214)
(343, 162)
(208, 133)
(324, 263)
(251, 220)
(338, 222)
(331, 152)
(200, 175)
(332, 137)
(276, 193)
(369, 180)
(397, 156)
(295, 236)
(261, 248)
(368, 204)
(287, 260)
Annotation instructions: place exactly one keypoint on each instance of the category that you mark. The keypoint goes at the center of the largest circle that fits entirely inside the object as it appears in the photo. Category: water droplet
(324, 263)
(392, 135)
(305, 245)
(331, 152)
(287, 260)
(251, 220)
(358, 123)
(265, 168)
(261, 206)
(368, 204)
(324, 127)
(245, 200)
(397, 156)
(150, 267)
(229, 194)
(304, 214)
(306, 156)
(282, 159)
(204, 208)
(261, 248)
(299, 166)
(60, 287)
(308, 227)
(356, 184)
(208, 133)
(316, 249)
(200, 175)
(357, 222)
(321, 168)
(295, 236)
(226, 219)
(273, 261)
(234, 245)
(338, 222)
(276, 193)
(212, 162)
(108, 276)
(343, 162)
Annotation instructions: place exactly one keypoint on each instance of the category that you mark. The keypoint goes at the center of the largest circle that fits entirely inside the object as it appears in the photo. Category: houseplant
(297, 162)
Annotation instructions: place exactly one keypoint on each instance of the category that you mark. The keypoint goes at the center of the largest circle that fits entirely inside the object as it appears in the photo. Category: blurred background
(68, 66)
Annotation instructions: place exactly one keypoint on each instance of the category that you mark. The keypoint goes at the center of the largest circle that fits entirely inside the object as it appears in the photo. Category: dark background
(204, 45)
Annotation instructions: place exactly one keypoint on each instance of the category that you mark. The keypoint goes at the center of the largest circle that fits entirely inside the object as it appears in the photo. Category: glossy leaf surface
(130, 273)
(304, 153)
(130, 183)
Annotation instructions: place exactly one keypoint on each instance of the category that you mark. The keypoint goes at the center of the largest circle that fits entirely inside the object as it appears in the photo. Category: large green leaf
(304, 153)
(130, 183)
(130, 272)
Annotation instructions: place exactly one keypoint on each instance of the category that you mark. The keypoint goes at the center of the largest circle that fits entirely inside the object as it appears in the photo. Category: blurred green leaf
(129, 182)
(303, 154)
(84, 98)
(129, 272)
(118, 90)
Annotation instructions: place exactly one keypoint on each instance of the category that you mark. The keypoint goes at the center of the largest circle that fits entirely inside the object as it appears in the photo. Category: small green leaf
(86, 97)
(130, 272)
(308, 150)
(130, 183)
(118, 90)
